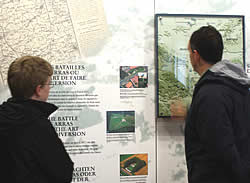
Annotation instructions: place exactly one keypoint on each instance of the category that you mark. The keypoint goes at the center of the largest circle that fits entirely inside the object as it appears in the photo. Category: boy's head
(26, 73)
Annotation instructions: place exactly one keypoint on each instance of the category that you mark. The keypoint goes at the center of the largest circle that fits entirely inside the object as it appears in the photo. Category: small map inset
(120, 121)
(133, 164)
(133, 76)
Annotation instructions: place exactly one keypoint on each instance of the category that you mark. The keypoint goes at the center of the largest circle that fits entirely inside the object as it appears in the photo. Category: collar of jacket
(34, 105)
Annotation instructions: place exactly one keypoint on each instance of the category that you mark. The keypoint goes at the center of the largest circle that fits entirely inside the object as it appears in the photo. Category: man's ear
(196, 55)
(195, 52)
(38, 91)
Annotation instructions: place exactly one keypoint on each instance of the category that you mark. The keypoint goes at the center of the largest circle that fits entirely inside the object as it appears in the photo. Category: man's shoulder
(213, 89)
(211, 94)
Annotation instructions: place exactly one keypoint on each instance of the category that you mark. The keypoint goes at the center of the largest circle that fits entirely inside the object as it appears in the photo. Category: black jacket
(217, 133)
(31, 151)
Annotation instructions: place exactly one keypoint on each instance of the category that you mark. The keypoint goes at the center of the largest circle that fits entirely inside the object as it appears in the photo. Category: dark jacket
(217, 133)
(31, 151)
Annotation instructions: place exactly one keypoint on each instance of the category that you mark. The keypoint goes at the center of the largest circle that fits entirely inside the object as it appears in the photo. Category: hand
(178, 109)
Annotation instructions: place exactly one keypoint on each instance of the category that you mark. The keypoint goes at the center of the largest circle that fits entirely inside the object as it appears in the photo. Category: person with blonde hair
(31, 151)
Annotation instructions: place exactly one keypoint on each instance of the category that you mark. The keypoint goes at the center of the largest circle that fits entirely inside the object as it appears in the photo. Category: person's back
(217, 132)
(6, 161)
(31, 150)
(218, 151)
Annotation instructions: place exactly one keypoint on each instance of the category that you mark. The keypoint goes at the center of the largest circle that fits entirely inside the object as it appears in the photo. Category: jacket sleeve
(215, 128)
(51, 154)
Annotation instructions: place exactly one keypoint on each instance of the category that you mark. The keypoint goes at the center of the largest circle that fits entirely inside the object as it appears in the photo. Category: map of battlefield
(176, 78)
(38, 28)
(56, 30)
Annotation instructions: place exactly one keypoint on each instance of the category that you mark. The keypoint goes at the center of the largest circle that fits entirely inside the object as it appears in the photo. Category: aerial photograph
(120, 121)
(133, 76)
(133, 164)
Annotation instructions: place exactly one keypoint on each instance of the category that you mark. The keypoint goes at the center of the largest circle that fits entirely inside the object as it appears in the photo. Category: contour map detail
(176, 78)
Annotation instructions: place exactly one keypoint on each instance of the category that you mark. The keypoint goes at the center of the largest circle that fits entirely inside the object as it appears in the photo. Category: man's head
(205, 48)
(207, 41)
(29, 77)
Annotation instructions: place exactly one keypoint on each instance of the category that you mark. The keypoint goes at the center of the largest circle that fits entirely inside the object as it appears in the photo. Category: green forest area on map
(175, 76)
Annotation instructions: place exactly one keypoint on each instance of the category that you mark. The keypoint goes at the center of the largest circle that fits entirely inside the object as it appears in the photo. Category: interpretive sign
(175, 76)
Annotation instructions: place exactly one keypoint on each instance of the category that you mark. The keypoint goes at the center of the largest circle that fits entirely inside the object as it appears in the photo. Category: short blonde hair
(26, 73)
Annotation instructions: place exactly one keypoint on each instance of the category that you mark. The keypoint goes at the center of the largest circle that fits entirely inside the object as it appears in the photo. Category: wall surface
(101, 37)
(171, 165)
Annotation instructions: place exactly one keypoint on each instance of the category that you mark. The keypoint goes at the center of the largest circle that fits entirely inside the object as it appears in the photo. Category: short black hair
(207, 41)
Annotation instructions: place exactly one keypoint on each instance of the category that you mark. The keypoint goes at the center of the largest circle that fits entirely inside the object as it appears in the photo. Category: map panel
(175, 75)
(42, 28)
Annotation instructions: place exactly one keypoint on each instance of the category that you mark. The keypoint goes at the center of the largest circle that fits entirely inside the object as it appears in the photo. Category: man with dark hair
(31, 151)
(217, 132)
(208, 42)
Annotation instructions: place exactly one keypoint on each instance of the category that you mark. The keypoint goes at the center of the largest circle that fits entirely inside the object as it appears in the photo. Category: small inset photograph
(133, 164)
(133, 76)
(120, 121)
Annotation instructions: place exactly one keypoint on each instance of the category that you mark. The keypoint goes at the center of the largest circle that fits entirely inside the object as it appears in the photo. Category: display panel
(175, 75)
(102, 113)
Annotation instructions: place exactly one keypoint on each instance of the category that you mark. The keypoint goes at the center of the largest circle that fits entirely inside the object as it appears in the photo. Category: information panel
(175, 76)
(103, 82)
